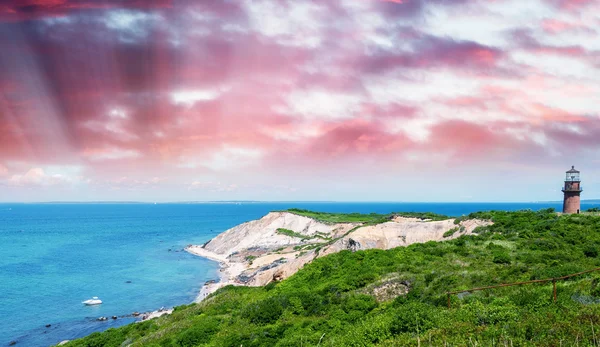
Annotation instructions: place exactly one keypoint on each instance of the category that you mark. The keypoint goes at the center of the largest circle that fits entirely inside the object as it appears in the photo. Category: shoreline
(228, 271)
(207, 289)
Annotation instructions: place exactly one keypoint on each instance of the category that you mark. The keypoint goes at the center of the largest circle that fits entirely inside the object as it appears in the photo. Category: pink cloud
(571, 5)
(434, 52)
(526, 41)
(16, 10)
(555, 26)
(355, 138)
(203, 89)
(3, 170)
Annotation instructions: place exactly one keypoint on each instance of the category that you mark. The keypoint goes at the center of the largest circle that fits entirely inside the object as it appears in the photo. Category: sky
(337, 100)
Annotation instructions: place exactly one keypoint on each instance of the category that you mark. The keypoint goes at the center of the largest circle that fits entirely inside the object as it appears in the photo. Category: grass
(373, 218)
(324, 304)
(290, 233)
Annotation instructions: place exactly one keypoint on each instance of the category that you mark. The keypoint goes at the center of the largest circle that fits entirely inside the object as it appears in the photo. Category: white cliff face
(262, 234)
(255, 253)
(402, 232)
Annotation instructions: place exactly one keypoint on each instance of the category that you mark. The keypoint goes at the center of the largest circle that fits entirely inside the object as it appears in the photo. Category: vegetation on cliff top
(327, 302)
(373, 218)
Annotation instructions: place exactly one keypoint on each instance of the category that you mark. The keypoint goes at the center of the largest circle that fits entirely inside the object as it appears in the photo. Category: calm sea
(53, 256)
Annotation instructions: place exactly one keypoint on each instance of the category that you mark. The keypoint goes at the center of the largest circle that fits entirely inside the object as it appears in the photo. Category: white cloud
(110, 153)
(190, 97)
(322, 104)
(45, 177)
(421, 87)
(232, 157)
(57, 20)
(296, 23)
(485, 26)
(116, 124)
(296, 133)
(227, 158)
(132, 25)
(417, 129)
(118, 113)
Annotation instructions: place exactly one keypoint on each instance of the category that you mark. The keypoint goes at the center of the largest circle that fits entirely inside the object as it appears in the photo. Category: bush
(264, 311)
(501, 258)
(414, 317)
(450, 232)
(590, 251)
(198, 333)
(360, 303)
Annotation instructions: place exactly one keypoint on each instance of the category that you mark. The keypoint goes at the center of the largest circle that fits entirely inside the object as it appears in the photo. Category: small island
(302, 278)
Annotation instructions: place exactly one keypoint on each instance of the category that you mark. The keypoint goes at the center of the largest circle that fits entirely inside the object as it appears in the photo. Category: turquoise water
(53, 256)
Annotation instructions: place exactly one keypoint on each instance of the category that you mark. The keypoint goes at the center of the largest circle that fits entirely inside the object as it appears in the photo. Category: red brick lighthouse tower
(572, 190)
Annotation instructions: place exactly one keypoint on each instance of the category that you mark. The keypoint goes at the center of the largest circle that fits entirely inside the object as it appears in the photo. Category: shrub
(451, 232)
(264, 311)
(291, 233)
(359, 302)
(501, 258)
(590, 251)
(198, 333)
(414, 317)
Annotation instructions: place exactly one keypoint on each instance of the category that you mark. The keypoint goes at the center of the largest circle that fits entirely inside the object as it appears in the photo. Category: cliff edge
(276, 246)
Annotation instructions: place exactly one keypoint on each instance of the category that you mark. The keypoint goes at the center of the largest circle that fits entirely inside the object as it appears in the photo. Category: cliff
(279, 244)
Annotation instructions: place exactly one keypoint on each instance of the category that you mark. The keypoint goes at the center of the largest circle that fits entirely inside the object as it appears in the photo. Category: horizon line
(280, 201)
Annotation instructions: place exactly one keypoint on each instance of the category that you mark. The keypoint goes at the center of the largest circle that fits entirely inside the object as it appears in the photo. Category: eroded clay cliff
(279, 244)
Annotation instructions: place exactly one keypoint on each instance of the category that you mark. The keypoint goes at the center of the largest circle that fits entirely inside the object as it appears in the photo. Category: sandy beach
(227, 273)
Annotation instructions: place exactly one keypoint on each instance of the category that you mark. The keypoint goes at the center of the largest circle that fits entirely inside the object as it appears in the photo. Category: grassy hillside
(332, 301)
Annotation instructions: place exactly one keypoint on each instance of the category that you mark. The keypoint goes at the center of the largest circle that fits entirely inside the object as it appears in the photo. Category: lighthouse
(572, 191)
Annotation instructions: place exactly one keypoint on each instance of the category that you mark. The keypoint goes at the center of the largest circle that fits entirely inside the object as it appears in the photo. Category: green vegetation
(322, 236)
(373, 218)
(325, 304)
(331, 218)
(450, 232)
(291, 233)
(422, 215)
(308, 246)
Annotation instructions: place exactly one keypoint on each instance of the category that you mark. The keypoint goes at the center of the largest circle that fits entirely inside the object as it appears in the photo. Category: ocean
(54, 256)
